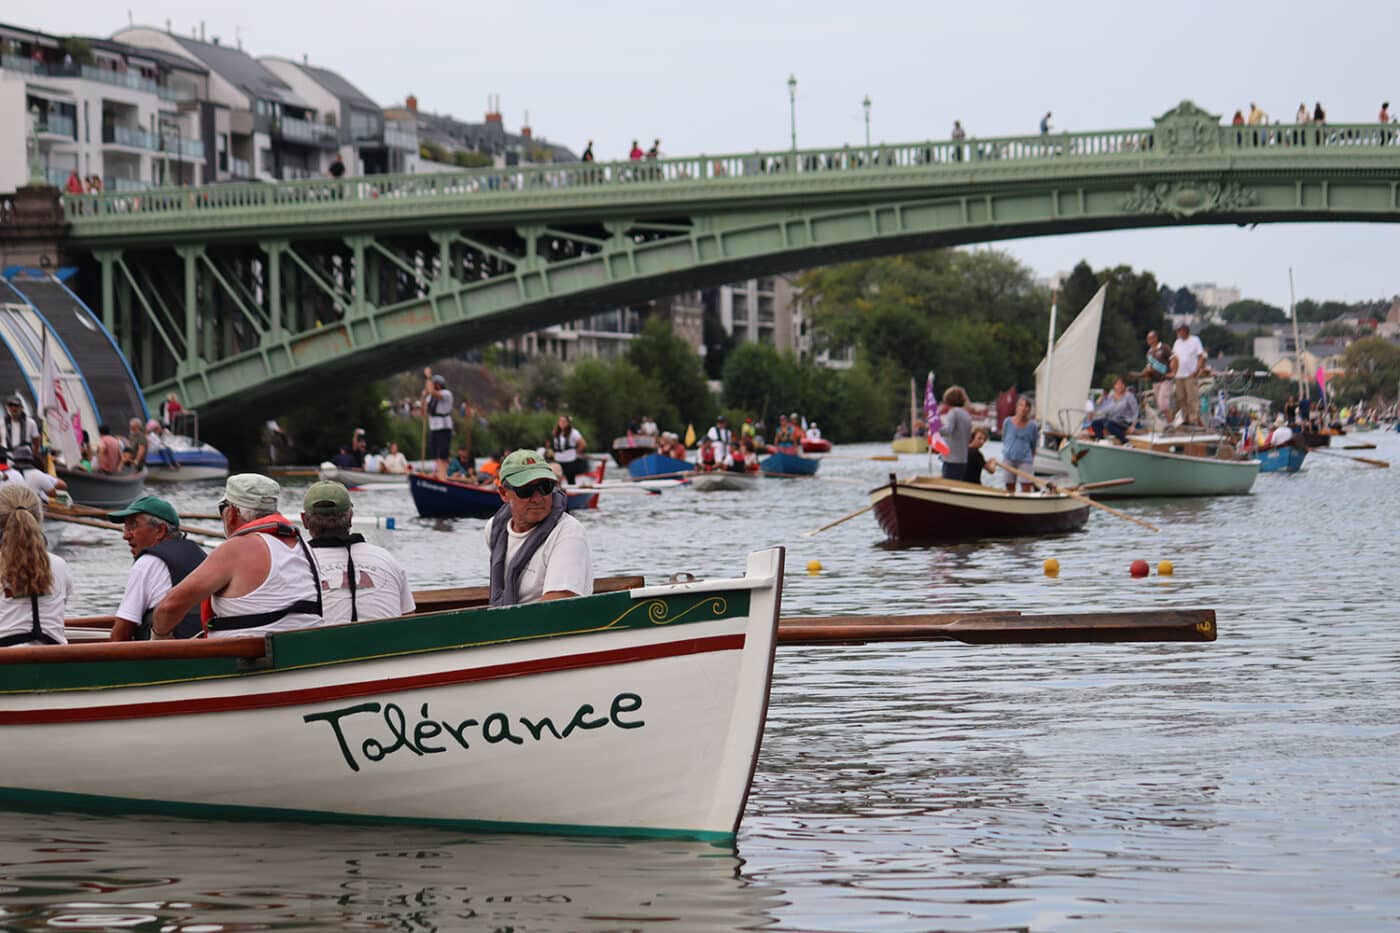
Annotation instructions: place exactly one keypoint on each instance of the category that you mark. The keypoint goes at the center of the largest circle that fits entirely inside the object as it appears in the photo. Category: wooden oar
(1367, 460)
(1104, 484)
(886, 457)
(1366, 446)
(1001, 628)
(1074, 495)
(77, 509)
(94, 523)
(843, 518)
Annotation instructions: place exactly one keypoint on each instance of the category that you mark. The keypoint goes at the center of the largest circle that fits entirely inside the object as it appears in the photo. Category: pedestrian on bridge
(1045, 125)
(958, 136)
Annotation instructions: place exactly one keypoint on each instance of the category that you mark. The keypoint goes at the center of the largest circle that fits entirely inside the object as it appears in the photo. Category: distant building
(1214, 297)
(488, 138)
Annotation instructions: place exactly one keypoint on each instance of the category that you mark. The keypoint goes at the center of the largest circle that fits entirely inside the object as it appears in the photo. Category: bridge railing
(946, 155)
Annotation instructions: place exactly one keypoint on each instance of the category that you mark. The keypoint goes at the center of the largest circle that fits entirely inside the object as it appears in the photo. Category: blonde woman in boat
(36, 583)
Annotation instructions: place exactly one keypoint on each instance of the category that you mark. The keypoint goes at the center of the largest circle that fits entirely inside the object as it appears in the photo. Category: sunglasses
(223, 505)
(541, 487)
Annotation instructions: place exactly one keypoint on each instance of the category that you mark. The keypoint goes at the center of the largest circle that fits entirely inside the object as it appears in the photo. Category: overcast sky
(711, 77)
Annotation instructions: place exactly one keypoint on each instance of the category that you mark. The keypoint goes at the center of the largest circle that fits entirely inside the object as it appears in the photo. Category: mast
(913, 388)
(1050, 355)
(1297, 347)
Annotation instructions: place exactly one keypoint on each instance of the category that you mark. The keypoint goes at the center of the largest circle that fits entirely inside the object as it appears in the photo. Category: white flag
(58, 420)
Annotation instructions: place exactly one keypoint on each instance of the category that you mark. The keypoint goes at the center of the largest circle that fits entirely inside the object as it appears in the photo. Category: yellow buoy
(1164, 568)
(1052, 567)
(814, 566)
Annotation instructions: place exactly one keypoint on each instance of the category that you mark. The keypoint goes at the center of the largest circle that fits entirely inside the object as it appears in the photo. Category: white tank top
(288, 580)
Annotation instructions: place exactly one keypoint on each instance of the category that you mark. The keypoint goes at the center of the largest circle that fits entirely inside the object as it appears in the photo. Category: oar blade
(1194, 625)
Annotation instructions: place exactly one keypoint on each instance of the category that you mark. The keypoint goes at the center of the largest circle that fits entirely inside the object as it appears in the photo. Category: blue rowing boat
(787, 462)
(435, 498)
(1286, 459)
(655, 466)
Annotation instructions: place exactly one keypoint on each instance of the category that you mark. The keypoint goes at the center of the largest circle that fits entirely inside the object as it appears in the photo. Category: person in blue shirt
(1019, 435)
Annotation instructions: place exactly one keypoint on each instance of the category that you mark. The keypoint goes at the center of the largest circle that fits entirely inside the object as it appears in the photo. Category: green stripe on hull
(18, 798)
(386, 638)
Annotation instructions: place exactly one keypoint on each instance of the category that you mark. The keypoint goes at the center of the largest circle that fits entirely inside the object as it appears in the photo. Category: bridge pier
(32, 228)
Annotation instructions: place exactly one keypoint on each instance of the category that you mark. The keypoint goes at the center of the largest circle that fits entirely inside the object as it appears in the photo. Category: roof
(341, 87)
(242, 70)
(159, 56)
(488, 137)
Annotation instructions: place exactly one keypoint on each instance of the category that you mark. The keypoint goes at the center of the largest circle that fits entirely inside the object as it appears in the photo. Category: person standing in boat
(19, 428)
(438, 399)
(568, 446)
(1020, 433)
(359, 581)
(956, 431)
(261, 580)
(36, 583)
(1188, 362)
(538, 551)
(1158, 371)
(1116, 414)
(162, 558)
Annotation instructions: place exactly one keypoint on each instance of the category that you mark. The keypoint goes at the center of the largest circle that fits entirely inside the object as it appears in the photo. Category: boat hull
(195, 461)
(435, 498)
(362, 477)
(1155, 472)
(819, 445)
(103, 490)
(1287, 459)
(649, 705)
(624, 453)
(653, 466)
(783, 463)
(934, 509)
(909, 445)
(724, 481)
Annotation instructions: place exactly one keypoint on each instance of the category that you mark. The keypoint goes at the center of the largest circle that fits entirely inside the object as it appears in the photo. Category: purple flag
(931, 417)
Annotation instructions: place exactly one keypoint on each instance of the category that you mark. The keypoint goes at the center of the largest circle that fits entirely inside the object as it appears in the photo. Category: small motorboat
(352, 477)
(786, 461)
(725, 481)
(930, 508)
(104, 490)
(1286, 459)
(453, 498)
(658, 466)
(816, 445)
(185, 459)
(627, 449)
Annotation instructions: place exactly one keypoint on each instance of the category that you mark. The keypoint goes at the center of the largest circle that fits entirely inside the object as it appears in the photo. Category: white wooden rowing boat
(725, 481)
(631, 713)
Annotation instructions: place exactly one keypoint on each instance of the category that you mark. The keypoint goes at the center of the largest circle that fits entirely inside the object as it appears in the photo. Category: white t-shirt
(814, 433)
(1282, 435)
(392, 463)
(39, 481)
(372, 463)
(563, 562)
(1188, 355)
(146, 585)
(16, 614)
(441, 402)
(381, 585)
(570, 452)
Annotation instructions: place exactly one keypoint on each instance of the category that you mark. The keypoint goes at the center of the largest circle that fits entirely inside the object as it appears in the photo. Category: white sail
(1059, 406)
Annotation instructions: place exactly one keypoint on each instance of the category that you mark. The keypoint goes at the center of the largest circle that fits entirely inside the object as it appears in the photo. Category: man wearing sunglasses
(538, 551)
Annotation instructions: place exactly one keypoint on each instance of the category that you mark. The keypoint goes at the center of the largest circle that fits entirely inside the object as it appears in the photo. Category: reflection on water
(62, 871)
(1248, 784)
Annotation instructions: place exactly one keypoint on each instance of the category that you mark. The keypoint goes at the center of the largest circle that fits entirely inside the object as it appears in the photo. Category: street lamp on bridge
(792, 108)
(865, 104)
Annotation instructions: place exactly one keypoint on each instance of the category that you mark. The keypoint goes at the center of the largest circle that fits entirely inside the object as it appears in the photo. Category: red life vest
(277, 525)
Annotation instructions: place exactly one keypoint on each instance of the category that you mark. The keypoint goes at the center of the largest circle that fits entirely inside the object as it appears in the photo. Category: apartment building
(97, 107)
(370, 142)
(256, 124)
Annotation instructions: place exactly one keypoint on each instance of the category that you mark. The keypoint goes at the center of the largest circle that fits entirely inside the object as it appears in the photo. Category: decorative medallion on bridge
(1187, 130)
(1188, 198)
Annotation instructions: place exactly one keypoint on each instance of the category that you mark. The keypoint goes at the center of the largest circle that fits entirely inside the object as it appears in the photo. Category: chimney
(201, 30)
(411, 103)
(493, 109)
(525, 127)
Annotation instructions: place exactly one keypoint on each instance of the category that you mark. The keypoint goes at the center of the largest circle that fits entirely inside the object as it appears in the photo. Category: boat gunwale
(1153, 452)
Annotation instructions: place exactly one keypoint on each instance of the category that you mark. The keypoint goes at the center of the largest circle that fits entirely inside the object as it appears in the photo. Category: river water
(1248, 784)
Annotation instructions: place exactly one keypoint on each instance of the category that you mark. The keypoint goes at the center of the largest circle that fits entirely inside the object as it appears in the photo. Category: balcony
(56, 124)
(240, 168)
(125, 184)
(183, 148)
(131, 137)
(128, 79)
(306, 131)
(395, 138)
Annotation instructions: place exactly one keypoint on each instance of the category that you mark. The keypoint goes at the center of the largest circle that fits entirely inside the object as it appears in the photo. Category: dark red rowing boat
(929, 508)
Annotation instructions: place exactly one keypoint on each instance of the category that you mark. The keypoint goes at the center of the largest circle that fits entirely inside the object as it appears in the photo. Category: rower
(538, 551)
(359, 581)
(37, 584)
(261, 580)
(41, 482)
(163, 557)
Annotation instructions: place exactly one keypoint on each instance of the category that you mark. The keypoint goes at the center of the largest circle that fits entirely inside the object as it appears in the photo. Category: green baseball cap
(326, 498)
(148, 505)
(523, 467)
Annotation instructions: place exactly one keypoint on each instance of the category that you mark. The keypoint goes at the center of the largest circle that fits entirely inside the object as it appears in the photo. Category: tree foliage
(1132, 307)
(1372, 370)
(1250, 311)
(856, 404)
(671, 364)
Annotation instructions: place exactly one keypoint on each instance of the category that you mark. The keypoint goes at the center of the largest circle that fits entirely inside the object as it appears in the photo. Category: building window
(222, 143)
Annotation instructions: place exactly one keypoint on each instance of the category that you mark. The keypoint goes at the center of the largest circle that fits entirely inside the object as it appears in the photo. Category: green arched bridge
(231, 294)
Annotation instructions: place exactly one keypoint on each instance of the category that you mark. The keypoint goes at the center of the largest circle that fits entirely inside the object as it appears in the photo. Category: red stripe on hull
(345, 691)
